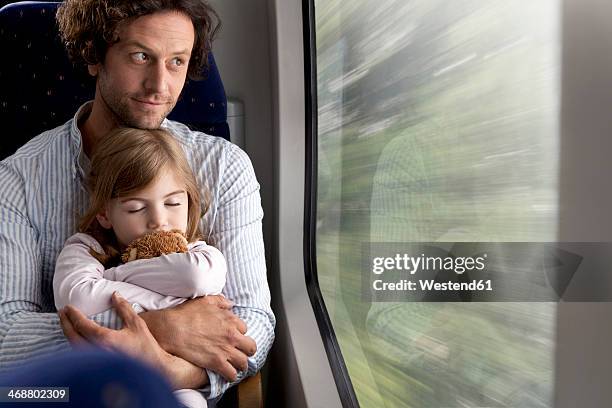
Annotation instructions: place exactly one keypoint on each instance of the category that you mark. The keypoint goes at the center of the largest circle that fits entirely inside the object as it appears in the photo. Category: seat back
(42, 89)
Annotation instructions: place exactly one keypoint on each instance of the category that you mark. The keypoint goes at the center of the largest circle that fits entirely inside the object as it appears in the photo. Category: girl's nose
(156, 221)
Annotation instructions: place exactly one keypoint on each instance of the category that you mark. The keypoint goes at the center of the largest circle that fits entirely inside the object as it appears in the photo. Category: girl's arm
(79, 281)
(199, 272)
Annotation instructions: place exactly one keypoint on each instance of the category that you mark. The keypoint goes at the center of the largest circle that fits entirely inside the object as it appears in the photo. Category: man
(140, 53)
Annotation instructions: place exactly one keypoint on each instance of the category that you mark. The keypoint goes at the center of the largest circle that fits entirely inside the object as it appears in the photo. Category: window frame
(332, 348)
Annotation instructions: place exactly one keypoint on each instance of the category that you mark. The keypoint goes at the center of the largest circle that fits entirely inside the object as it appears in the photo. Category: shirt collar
(81, 161)
(165, 124)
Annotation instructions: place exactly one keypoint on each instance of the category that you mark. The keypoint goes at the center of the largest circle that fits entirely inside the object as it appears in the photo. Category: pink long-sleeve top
(157, 283)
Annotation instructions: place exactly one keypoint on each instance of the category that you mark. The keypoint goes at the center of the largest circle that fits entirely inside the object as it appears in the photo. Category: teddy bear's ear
(103, 220)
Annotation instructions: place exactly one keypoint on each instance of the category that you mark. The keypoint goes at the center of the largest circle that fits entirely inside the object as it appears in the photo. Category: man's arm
(24, 330)
(237, 232)
(205, 332)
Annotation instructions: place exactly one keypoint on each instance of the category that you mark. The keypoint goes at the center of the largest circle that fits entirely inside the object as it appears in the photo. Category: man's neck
(95, 127)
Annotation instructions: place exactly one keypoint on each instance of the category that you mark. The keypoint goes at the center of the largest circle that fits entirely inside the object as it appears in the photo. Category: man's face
(144, 72)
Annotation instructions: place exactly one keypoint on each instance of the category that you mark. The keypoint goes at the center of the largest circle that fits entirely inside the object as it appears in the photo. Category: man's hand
(205, 332)
(133, 339)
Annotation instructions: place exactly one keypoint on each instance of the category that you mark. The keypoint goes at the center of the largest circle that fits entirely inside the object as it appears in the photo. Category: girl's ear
(103, 220)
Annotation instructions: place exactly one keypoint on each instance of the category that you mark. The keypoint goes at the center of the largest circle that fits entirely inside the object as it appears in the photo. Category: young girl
(140, 182)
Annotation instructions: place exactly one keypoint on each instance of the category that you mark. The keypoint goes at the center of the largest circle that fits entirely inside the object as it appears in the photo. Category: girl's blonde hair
(126, 161)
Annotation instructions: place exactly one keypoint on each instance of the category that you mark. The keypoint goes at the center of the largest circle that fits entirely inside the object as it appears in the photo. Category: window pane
(437, 121)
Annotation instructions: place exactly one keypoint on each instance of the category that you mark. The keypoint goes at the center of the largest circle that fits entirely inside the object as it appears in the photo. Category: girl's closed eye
(132, 206)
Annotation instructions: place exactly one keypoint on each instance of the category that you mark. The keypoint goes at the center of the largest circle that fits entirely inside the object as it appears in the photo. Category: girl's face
(160, 206)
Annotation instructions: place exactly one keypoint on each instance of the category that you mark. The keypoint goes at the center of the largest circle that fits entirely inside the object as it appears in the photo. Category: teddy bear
(154, 244)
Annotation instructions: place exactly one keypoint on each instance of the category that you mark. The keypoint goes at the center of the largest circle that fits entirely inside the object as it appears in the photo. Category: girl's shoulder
(197, 245)
(81, 239)
(200, 246)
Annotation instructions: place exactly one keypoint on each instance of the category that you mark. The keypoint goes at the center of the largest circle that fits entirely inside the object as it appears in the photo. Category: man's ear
(93, 70)
(103, 220)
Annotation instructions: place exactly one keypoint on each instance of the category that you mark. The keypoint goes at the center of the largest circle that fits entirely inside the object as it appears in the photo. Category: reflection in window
(438, 121)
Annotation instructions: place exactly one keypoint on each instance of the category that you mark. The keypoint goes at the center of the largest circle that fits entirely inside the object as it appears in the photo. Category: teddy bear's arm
(199, 272)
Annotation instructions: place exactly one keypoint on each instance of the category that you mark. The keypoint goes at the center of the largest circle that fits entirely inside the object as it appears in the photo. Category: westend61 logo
(413, 264)
(483, 271)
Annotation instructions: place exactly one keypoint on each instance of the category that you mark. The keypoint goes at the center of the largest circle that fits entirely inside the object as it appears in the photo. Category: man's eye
(178, 62)
(140, 56)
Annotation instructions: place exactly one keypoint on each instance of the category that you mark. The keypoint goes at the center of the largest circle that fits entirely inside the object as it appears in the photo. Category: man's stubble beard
(119, 108)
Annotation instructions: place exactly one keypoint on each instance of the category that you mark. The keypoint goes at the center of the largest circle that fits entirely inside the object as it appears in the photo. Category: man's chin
(136, 117)
(144, 123)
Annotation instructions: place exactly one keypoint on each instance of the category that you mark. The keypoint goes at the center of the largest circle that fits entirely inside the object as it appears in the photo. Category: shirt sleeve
(25, 331)
(199, 272)
(79, 280)
(237, 233)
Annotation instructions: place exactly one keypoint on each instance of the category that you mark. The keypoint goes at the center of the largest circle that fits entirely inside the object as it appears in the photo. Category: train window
(436, 121)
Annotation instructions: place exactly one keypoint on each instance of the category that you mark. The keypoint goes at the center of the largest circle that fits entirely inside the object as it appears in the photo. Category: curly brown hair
(88, 27)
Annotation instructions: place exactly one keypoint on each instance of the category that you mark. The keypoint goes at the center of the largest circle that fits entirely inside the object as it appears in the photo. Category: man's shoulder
(207, 148)
(194, 138)
(49, 142)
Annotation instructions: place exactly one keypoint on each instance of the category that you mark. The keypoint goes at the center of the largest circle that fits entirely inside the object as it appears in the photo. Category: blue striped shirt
(42, 195)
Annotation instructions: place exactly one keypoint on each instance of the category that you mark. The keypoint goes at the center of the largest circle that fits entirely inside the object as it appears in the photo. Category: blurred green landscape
(438, 121)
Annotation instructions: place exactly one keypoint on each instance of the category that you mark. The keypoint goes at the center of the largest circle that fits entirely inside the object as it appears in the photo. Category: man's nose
(157, 78)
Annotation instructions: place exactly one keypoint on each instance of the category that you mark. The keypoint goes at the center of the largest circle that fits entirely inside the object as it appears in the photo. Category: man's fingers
(86, 328)
(124, 309)
(71, 334)
(220, 301)
(225, 303)
(238, 360)
(247, 345)
(226, 370)
(240, 325)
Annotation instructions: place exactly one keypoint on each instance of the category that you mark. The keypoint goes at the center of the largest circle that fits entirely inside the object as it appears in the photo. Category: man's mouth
(150, 102)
